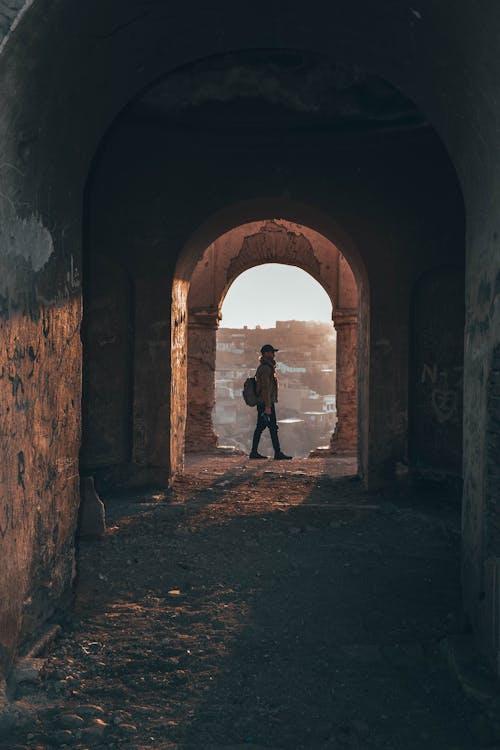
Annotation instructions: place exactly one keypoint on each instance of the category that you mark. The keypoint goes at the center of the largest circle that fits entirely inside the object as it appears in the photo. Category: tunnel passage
(209, 141)
(247, 246)
(147, 229)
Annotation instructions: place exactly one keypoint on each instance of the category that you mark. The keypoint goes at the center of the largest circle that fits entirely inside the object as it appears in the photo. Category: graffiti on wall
(445, 386)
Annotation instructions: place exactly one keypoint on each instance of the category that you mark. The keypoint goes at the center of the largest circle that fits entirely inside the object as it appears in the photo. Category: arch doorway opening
(237, 290)
(285, 306)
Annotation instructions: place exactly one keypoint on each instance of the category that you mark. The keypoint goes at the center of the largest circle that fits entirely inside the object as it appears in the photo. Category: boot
(254, 453)
(278, 453)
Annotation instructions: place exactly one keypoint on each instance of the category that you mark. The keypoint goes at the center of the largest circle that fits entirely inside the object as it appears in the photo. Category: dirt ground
(262, 605)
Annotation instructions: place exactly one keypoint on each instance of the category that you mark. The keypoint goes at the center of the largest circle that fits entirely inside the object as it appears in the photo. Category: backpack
(250, 392)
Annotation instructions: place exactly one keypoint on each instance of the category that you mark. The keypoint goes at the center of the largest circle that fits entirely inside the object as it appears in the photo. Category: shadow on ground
(261, 607)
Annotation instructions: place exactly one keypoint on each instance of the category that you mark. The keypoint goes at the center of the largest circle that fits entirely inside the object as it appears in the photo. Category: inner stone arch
(244, 247)
(275, 242)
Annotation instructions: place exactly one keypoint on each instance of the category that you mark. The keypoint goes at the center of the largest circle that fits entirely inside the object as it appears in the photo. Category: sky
(272, 292)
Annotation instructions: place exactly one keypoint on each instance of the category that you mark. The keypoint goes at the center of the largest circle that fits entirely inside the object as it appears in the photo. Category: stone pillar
(345, 437)
(152, 351)
(202, 340)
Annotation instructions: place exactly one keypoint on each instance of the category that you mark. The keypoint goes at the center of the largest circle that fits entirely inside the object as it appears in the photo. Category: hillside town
(306, 371)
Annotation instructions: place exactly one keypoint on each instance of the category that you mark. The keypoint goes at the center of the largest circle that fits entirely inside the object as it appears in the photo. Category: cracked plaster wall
(40, 366)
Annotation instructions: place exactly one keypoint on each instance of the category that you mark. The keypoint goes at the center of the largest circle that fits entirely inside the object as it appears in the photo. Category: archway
(242, 248)
(364, 218)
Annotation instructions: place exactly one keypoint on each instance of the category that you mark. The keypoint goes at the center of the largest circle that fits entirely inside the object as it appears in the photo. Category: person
(266, 383)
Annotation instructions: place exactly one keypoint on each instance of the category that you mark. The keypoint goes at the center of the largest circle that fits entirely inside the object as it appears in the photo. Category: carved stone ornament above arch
(274, 240)
(275, 243)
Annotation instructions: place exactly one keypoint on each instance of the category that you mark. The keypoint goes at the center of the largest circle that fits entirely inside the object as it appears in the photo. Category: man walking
(267, 394)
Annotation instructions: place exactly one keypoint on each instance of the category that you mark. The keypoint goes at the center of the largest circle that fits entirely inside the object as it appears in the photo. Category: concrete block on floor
(26, 670)
(92, 520)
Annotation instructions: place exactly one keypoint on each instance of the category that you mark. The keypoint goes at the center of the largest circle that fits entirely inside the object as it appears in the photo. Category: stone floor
(261, 605)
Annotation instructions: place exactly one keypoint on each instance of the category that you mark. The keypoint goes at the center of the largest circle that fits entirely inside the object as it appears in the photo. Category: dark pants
(262, 423)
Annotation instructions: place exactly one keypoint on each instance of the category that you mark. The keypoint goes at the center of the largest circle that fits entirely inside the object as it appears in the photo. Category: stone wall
(437, 373)
(40, 374)
(107, 333)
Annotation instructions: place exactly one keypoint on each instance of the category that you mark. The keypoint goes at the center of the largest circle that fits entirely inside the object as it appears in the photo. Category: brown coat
(266, 383)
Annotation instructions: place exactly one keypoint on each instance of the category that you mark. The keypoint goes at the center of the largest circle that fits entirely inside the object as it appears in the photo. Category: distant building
(306, 364)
